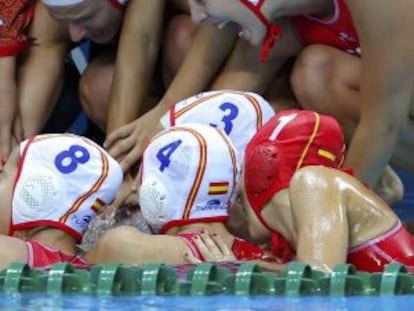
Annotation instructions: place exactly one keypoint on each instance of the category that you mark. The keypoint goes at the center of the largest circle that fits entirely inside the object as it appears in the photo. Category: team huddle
(268, 138)
(220, 157)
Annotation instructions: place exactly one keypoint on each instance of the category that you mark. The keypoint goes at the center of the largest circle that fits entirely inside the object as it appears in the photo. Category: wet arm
(386, 83)
(127, 245)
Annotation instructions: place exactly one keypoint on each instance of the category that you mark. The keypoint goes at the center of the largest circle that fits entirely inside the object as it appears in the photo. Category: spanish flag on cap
(97, 205)
(217, 188)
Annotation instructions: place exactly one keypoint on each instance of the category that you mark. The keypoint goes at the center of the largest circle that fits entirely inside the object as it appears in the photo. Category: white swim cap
(239, 114)
(188, 174)
(63, 181)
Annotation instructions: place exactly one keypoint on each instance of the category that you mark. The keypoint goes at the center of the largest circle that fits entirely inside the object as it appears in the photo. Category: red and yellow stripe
(321, 152)
(92, 190)
(200, 170)
(194, 104)
(97, 205)
(217, 188)
(310, 141)
(326, 154)
(256, 106)
(233, 159)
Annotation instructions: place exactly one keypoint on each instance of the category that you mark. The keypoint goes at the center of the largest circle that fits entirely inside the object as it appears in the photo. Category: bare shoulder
(318, 171)
(318, 174)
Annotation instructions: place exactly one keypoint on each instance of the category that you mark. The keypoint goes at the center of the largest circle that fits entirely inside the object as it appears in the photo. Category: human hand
(212, 247)
(127, 143)
(390, 187)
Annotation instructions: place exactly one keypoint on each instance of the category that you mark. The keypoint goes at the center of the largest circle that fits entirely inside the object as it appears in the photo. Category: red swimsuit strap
(274, 32)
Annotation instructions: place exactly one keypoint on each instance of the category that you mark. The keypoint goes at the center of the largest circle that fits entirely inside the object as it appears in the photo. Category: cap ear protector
(38, 192)
(153, 194)
(274, 32)
(62, 181)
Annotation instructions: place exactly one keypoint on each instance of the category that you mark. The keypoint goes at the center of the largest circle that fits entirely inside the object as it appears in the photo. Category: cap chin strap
(274, 32)
(119, 4)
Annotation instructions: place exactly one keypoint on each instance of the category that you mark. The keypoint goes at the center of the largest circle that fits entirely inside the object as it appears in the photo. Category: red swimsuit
(338, 31)
(15, 18)
(43, 256)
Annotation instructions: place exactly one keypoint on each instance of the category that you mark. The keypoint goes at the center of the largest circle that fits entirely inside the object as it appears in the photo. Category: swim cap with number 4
(188, 174)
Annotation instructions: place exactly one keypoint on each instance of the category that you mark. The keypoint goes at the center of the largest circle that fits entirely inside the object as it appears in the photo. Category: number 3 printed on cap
(67, 161)
(233, 112)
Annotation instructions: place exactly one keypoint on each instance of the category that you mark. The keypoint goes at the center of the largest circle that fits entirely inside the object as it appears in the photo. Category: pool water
(222, 303)
(405, 208)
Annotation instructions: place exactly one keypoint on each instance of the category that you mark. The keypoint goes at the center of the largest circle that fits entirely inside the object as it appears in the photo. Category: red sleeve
(15, 17)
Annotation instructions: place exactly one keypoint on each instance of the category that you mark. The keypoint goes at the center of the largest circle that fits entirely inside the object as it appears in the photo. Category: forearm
(370, 150)
(386, 84)
(7, 79)
(244, 70)
(40, 83)
(41, 70)
(209, 50)
(135, 61)
(384, 98)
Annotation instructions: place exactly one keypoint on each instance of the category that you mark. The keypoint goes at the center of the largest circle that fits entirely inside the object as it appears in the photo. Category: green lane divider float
(248, 279)
(19, 278)
(63, 278)
(204, 279)
(345, 281)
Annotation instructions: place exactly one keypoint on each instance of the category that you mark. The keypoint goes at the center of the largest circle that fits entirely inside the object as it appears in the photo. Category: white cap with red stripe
(188, 174)
(239, 114)
(63, 181)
